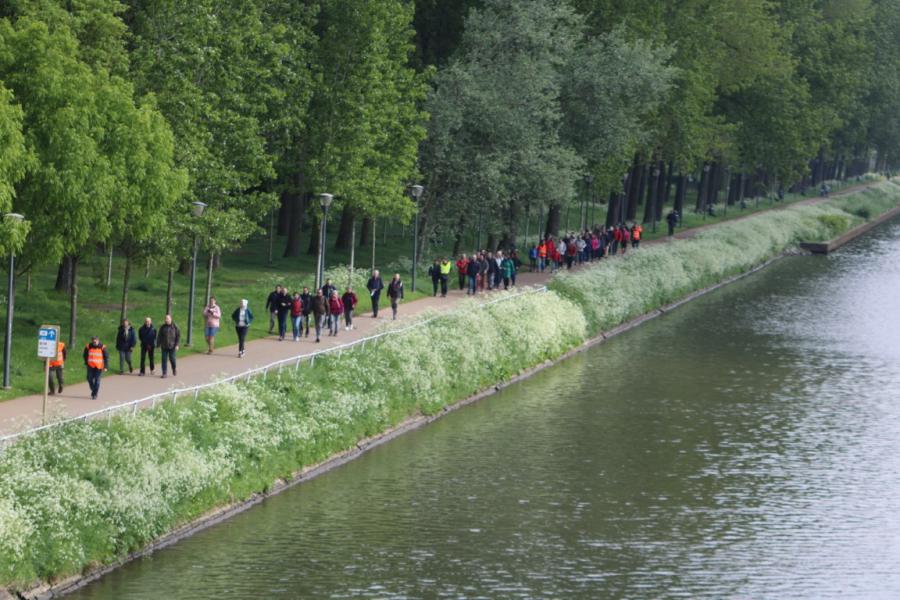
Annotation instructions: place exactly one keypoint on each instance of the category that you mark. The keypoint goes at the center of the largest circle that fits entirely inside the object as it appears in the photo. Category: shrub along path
(25, 412)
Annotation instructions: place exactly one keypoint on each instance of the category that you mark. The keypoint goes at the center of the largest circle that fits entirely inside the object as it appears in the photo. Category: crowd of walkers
(327, 308)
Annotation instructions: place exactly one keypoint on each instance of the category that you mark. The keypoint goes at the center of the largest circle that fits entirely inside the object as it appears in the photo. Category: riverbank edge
(218, 515)
(849, 236)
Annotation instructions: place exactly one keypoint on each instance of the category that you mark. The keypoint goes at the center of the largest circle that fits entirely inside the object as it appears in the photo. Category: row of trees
(115, 115)
(534, 97)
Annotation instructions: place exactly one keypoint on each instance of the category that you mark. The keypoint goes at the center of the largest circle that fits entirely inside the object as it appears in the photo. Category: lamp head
(589, 179)
(197, 208)
(325, 200)
(15, 217)
(416, 191)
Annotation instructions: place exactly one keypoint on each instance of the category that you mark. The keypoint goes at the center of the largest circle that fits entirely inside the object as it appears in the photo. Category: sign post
(48, 336)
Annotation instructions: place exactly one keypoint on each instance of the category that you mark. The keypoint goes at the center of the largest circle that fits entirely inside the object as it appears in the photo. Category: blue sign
(48, 335)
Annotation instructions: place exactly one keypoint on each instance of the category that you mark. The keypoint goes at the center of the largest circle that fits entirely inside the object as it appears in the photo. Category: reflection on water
(746, 445)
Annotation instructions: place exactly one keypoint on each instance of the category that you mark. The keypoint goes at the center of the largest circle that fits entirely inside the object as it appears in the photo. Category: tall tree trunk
(612, 208)
(491, 242)
(109, 265)
(313, 249)
(553, 220)
(652, 191)
(73, 303)
(170, 284)
(126, 281)
(64, 275)
(285, 208)
(637, 182)
(210, 267)
(342, 241)
(667, 189)
(297, 214)
(680, 191)
(365, 231)
(716, 183)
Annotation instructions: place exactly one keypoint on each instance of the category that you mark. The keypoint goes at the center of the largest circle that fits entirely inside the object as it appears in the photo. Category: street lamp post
(197, 209)
(325, 202)
(416, 192)
(10, 300)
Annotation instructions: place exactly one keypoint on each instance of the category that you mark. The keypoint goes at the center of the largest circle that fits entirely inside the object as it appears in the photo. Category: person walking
(446, 266)
(147, 337)
(213, 315)
(375, 285)
(434, 271)
(335, 310)
(472, 271)
(317, 307)
(462, 270)
(349, 301)
(327, 288)
(297, 316)
(306, 299)
(672, 219)
(283, 308)
(96, 359)
(242, 317)
(395, 293)
(56, 368)
(125, 343)
(637, 230)
(484, 266)
(168, 339)
(507, 268)
(272, 307)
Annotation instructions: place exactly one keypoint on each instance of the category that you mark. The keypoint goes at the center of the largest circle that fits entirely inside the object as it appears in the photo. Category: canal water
(745, 446)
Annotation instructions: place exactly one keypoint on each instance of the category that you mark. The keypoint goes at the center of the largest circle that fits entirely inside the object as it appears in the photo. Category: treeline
(115, 115)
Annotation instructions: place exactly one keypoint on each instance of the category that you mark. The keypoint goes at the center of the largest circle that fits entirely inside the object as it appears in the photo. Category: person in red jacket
(297, 316)
(335, 310)
(462, 269)
(349, 302)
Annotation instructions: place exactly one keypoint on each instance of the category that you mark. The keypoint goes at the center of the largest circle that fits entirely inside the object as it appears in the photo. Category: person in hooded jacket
(242, 317)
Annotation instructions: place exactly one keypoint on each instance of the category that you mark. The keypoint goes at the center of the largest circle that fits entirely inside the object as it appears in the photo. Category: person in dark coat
(375, 285)
(272, 307)
(147, 336)
(473, 268)
(283, 308)
(317, 308)
(434, 271)
(349, 302)
(126, 340)
(168, 339)
(306, 300)
(395, 293)
(242, 317)
(672, 220)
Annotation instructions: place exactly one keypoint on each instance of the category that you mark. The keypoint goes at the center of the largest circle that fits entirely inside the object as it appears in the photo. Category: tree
(12, 166)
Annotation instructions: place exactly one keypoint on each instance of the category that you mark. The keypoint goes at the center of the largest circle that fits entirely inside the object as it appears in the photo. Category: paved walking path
(25, 412)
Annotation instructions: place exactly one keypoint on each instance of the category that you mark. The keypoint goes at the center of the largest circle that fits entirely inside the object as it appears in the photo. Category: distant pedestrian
(317, 307)
(446, 266)
(349, 301)
(462, 268)
(125, 343)
(213, 315)
(327, 288)
(472, 270)
(395, 293)
(272, 307)
(306, 299)
(283, 309)
(507, 268)
(297, 316)
(147, 337)
(672, 219)
(533, 258)
(56, 368)
(96, 359)
(375, 285)
(434, 271)
(335, 311)
(168, 339)
(637, 231)
(242, 317)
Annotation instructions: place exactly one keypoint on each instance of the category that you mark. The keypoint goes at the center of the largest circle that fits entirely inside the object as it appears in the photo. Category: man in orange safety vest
(56, 367)
(96, 359)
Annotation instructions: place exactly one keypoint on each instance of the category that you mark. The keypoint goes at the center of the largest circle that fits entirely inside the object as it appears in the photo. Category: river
(746, 445)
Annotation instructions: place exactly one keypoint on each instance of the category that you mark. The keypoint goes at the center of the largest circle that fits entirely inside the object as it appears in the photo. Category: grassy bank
(86, 494)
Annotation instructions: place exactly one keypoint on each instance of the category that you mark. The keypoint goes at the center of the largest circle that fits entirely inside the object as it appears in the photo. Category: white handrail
(246, 375)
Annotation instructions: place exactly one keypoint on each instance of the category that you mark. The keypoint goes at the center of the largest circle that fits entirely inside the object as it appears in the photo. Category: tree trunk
(170, 283)
(109, 263)
(73, 303)
(210, 267)
(652, 191)
(285, 210)
(342, 241)
(612, 207)
(184, 266)
(680, 190)
(491, 242)
(637, 182)
(365, 231)
(553, 221)
(313, 249)
(64, 275)
(297, 214)
(126, 280)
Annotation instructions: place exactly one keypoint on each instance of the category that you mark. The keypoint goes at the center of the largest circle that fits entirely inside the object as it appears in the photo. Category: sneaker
(60, 390)
(318, 340)
(93, 396)
(140, 374)
(51, 393)
(174, 372)
(163, 376)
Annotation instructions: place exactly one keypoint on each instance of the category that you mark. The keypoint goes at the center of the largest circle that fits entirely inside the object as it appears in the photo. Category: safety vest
(445, 268)
(95, 357)
(542, 250)
(636, 232)
(58, 361)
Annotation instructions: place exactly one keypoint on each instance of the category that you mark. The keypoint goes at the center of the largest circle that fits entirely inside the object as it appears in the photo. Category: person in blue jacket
(242, 317)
